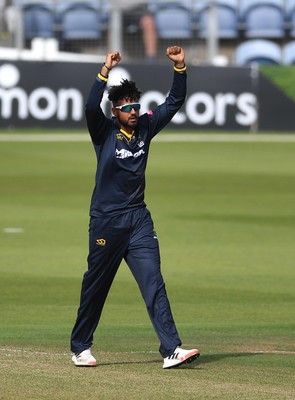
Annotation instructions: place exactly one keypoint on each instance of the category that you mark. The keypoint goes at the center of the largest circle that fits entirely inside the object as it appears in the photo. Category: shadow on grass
(205, 359)
(211, 358)
(107, 364)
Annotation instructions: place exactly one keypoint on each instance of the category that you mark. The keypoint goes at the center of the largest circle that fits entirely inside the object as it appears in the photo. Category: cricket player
(121, 226)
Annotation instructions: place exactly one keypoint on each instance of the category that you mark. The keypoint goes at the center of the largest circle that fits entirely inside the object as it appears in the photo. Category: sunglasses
(128, 107)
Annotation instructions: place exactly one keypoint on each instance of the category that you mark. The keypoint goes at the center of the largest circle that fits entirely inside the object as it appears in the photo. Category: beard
(130, 123)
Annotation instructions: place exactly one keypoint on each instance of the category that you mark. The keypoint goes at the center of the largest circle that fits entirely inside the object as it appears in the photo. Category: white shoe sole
(83, 364)
(192, 356)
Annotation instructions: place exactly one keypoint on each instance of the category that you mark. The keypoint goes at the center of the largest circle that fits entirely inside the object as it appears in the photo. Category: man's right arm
(97, 122)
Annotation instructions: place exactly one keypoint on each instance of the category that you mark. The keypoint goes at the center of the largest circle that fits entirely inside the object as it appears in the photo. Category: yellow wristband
(180, 69)
(103, 78)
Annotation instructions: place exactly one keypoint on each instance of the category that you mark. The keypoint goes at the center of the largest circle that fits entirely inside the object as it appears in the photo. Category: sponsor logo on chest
(123, 153)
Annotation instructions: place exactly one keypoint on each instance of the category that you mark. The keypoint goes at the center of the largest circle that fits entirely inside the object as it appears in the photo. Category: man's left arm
(177, 94)
(163, 114)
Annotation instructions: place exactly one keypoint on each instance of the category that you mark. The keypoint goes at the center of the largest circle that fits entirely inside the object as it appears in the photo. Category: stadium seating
(38, 21)
(290, 17)
(227, 18)
(263, 18)
(267, 21)
(289, 53)
(259, 51)
(81, 21)
(174, 21)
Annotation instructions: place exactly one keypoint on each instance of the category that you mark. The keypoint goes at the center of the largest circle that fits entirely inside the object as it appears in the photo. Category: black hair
(126, 90)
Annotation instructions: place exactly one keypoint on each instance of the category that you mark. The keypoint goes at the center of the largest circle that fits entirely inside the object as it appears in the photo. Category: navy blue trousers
(129, 236)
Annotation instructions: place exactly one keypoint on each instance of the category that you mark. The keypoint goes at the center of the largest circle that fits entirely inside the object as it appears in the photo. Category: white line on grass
(44, 353)
(13, 230)
(185, 137)
(40, 353)
(18, 137)
(222, 137)
(274, 352)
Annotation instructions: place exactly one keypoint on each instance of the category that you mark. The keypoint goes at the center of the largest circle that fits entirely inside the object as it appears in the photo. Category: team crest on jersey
(101, 242)
(120, 136)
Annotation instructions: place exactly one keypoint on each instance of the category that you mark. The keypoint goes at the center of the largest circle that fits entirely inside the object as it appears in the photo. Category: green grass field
(225, 218)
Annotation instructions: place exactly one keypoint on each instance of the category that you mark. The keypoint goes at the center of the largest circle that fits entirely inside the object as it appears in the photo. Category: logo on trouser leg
(101, 242)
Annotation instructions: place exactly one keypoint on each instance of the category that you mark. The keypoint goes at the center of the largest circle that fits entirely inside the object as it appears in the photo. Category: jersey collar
(127, 134)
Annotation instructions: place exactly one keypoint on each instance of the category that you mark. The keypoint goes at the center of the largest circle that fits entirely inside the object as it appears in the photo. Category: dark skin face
(127, 121)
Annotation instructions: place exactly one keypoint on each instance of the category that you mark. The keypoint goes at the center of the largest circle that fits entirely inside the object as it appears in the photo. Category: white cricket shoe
(180, 356)
(84, 359)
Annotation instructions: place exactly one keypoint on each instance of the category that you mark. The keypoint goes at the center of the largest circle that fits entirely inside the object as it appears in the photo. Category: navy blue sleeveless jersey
(121, 164)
